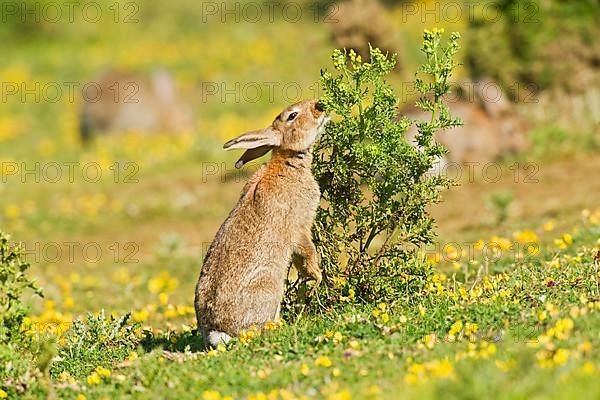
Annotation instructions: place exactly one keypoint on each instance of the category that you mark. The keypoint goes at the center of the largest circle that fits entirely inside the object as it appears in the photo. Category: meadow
(508, 308)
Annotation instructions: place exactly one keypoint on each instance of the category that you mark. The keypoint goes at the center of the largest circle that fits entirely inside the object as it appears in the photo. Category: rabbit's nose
(319, 107)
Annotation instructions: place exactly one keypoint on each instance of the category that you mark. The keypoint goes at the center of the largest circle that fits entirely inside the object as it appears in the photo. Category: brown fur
(130, 101)
(242, 280)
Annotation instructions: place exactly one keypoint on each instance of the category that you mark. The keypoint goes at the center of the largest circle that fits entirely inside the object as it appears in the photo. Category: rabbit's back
(242, 280)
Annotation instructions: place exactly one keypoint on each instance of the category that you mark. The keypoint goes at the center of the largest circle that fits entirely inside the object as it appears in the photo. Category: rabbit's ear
(252, 154)
(254, 139)
(257, 142)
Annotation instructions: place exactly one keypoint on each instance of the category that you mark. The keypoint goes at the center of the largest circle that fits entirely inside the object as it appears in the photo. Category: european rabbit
(119, 101)
(242, 280)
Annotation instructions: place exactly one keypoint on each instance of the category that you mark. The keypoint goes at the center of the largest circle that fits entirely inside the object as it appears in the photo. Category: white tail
(216, 338)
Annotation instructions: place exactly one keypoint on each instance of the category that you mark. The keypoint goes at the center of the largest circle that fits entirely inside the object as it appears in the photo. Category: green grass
(528, 329)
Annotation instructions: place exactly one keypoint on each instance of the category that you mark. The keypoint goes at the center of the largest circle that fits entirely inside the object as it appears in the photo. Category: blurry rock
(120, 101)
(492, 127)
(356, 23)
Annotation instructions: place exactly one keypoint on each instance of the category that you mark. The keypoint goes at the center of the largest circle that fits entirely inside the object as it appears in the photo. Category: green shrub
(375, 185)
(97, 341)
(13, 284)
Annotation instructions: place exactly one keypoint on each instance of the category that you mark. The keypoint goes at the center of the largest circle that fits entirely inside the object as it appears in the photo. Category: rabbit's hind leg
(262, 304)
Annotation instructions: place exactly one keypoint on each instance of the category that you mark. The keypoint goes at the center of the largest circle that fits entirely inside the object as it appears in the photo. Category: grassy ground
(509, 321)
(493, 319)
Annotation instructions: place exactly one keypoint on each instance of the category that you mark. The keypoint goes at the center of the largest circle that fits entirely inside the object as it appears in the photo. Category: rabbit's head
(295, 129)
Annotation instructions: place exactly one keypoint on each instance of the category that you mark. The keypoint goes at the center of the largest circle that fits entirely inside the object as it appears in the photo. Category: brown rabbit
(242, 280)
(119, 101)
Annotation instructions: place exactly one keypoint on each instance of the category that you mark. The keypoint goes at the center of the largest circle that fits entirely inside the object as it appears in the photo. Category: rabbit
(241, 283)
(119, 101)
(491, 128)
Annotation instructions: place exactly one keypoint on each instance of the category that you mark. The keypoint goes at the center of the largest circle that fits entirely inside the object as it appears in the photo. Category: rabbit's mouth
(323, 120)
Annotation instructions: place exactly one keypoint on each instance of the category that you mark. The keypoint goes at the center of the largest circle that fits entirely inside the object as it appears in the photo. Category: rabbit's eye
(292, 116)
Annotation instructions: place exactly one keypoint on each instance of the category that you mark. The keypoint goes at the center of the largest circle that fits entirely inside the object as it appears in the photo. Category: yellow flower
(93, 379)
(103, 372)
(549, 226)
(526, 236)
(271, 325)
(500, 243)
(456, 328)
(441, 369)
(163, 298)
(65, 376)
(141, 315)
(323, 361)
(429, 341)
(588, 368)
(171, 312)
(452, 252)
(164, 282)
(343, 395)
(337, 337)
(533, 250)
(560, 356)
(385, 318)
(81, 397)
(3, 394)
(304, 370)
(12, 211)
(221, 347)
(211, 395)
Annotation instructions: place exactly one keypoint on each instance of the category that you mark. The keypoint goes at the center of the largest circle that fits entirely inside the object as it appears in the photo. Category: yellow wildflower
(102, 372)
(211, 395)
(323, 361)
(93, 379)
(304, 369)
(141, 315)
(526, 236)
(429, 341)
(549, 225)
(337, 337)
